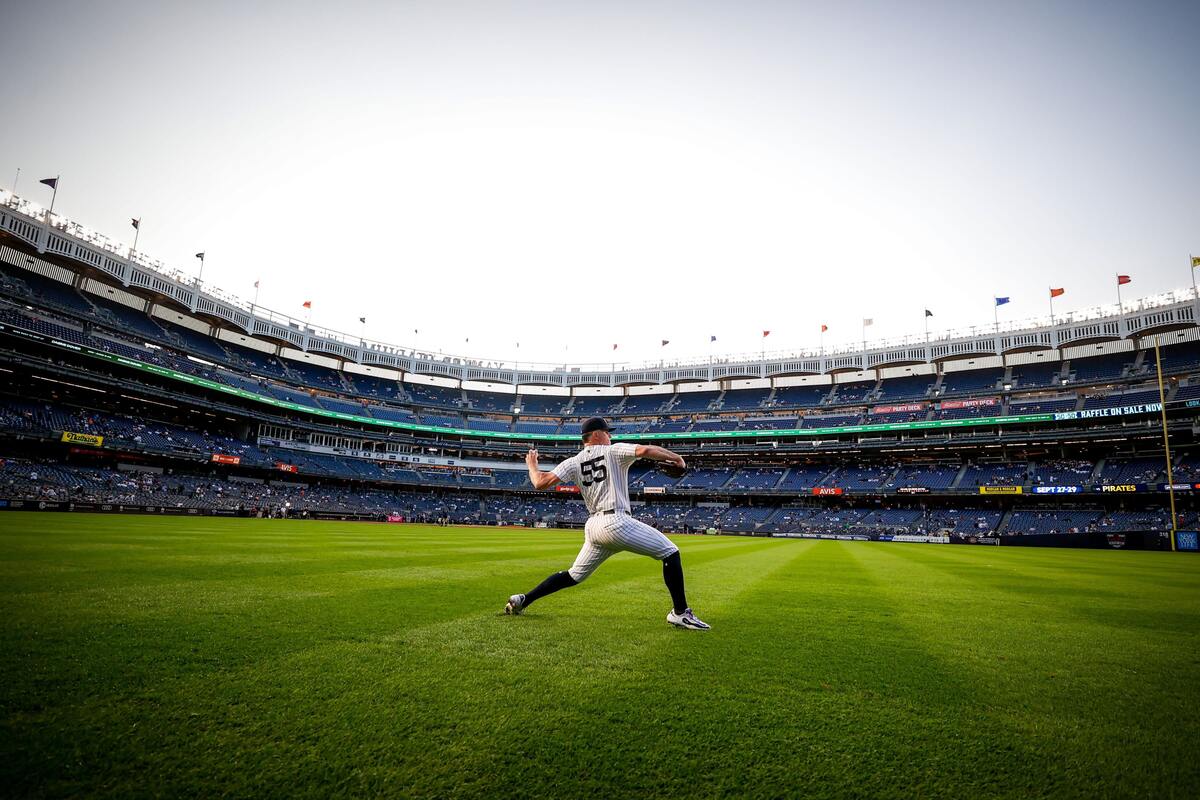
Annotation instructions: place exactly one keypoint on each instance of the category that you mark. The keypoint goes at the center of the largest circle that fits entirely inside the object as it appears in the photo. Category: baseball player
(601, 471)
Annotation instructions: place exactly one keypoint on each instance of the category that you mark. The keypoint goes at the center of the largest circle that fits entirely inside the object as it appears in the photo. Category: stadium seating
(744, 399)
(971, 381)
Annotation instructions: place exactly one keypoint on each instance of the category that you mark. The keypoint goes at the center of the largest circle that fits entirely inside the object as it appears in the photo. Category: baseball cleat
(688, 620)
(515, 605)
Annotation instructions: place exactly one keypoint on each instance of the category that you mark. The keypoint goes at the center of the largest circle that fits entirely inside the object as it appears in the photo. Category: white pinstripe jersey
(601, 471)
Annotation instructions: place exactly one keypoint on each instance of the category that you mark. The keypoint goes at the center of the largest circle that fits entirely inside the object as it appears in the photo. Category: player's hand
(679, 462)
(531, 459)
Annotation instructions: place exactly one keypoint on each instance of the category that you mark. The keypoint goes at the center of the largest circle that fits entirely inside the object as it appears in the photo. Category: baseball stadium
(513, 431)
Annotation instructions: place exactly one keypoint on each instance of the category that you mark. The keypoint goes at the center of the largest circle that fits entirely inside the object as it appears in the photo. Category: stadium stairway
(962, 471)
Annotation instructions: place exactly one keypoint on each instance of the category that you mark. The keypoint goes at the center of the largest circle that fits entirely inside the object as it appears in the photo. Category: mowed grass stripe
(834, 668)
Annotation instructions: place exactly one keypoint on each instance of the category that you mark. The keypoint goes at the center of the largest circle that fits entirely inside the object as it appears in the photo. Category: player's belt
(602, 513)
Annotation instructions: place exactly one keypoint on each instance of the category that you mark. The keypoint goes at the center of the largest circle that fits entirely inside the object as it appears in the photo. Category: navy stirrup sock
(673, 577)
(559, 580)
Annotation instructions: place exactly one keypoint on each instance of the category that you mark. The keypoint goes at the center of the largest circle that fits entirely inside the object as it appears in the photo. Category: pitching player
(601, 471)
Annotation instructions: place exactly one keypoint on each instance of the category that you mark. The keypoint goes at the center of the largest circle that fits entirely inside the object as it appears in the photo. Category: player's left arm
(539, 479)
(656, 453)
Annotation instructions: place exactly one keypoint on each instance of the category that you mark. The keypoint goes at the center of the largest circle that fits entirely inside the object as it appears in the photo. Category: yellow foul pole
(1162, 401)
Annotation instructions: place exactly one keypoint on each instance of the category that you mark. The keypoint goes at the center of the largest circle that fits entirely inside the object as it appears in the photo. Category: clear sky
(574, 175)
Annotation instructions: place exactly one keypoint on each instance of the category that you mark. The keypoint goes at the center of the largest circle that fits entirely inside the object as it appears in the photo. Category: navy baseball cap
(595, 424)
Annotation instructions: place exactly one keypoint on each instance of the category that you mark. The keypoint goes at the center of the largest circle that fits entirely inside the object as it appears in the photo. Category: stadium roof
(64, 242)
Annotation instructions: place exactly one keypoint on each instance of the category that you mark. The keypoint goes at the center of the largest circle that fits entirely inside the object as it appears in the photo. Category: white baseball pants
(607, 534)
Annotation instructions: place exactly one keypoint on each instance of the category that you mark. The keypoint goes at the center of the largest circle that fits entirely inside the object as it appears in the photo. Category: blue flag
(1002, 300)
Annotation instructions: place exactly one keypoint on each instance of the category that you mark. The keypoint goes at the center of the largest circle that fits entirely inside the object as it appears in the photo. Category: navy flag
(51, 182)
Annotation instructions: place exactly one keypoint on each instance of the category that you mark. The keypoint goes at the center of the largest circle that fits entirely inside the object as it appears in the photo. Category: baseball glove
(672, 470)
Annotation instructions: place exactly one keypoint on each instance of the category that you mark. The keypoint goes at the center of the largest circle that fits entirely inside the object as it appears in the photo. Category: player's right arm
(656, 453)
(539, 479)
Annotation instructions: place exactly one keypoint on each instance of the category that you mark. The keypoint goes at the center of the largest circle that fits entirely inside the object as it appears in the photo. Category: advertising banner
(1116, 488)
(910, 537)
(71, 437)
(1056, 489)
(1000, 490)
(913, 490)
(282, 467)
(1115, 411)
(822, 491)
(395, 518)
(976, 403)
(221, 458)
(1188, 541)
(569, 488)
(901, 409)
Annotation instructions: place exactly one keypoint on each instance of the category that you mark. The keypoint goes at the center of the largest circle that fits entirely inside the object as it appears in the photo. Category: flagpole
(255, 303)
(53, 197)
(1051, 304)
(926, 316)
(996, 313)
(1120, 303)
(137, 231)
(1192, 262)
(16, 180)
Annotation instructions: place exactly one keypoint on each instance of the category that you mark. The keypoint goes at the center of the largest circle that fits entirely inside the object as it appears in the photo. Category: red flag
(824, 328)
(1123, 279)
(766, 334)
(308, 303)
(1057, 292)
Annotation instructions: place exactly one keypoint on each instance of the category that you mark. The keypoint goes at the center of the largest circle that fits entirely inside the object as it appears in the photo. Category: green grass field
(211, 657)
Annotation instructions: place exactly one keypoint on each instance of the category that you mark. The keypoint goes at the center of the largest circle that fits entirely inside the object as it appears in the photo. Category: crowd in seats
(968, 412)
(755, 478)
(690, 402)
(1111, 400)
(971, 381)
(1108, 367)
(1037, 375)
(1116, 471)
(863, 477)
(1006, 474)
(800, 396)
(1068, 472)
(851, 393)
(1048, 406)
(931, 476)
(908, 387)
(744, 399)
(1050, 521)
(836, 421)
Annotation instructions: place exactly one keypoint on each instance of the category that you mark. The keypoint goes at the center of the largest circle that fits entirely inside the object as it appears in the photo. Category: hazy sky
(586, 174)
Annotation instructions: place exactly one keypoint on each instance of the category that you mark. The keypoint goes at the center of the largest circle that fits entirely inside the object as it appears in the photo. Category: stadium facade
(132, 386)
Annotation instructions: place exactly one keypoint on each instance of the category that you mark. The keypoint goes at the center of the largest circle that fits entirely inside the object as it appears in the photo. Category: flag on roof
(868, 321)
(1057, 293)
(711, 339)
(137, 223)
(766, 334)
(928, 313)
(1123, 279)
(363, 320)
(665, 342)
(614, 347)
(1195, 261)
(1000, 301)
(256, 284)
(51, 182)
(824, 328)
(308, 304)
(200, 256)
